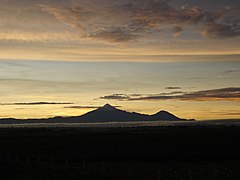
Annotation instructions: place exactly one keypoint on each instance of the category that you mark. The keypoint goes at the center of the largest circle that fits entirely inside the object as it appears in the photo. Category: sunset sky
(67, 57)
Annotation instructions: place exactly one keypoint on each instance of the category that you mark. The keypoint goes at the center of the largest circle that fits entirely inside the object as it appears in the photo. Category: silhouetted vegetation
(198, 152)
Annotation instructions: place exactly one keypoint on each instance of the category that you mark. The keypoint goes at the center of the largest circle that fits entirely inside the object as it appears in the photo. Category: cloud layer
(172, 87)
(35, 103)
(129, 20)
(224, 94)
(85, 107)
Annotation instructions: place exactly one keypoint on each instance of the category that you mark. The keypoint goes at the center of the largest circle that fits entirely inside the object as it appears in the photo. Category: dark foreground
(197, 152)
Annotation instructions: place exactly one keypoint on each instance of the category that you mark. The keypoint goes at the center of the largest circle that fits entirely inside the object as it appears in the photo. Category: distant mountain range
(107, 113)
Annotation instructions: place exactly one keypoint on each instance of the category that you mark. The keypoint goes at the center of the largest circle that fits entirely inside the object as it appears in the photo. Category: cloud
(177, 30)
(172, 87)
(120, 97)
(67, 15)
(129, 20)
(94, 21)
(35, 103)
(155, 12)
(172, 93)
(224, 94)
(222, 23)
(230, 114)
(84, 107)
(221, 31)
(81, 107)
(115, 34)
(231, 71)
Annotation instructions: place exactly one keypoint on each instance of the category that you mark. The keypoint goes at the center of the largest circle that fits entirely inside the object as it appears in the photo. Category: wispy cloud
(81, 107)
(35, 103)
(230, 114)
(232, 71)
(225, 112)
(172, 87)
(224, 94)
(115, 34)
(120, 97)
(177, 30)
(128, 20)
(221, 31)
(85, 107)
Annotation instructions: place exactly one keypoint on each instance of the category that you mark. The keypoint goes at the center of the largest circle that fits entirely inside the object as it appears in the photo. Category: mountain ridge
(106, 113)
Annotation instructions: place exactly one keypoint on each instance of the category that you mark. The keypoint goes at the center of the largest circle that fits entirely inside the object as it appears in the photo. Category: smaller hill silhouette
(164, 115)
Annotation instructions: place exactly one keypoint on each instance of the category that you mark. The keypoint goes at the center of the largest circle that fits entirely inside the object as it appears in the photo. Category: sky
(67, 57)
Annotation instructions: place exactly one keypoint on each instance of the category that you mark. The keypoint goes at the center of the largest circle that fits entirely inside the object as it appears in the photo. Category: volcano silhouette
(106, 113)
(109, 113)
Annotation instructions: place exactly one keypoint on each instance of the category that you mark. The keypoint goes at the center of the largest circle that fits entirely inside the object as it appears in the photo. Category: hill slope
(109, 113)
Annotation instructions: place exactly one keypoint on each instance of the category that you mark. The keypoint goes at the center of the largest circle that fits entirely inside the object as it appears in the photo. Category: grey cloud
(222, 31)
(93, 21)
(230, 114)
(172, 93)
(120, 97)
(81, 107)
(63, 14)
(196, 78)
(84, 107)
(129, 20)
(172, 87)
(224, 94)
(115, 34)
(223, 23)
(231, 71)
(123, 97)
(177, 30)
(161, 12)
(35, 103)
(212, 95)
